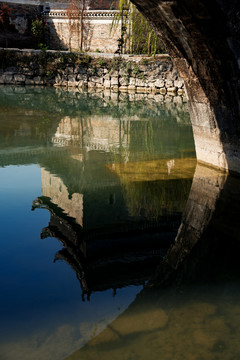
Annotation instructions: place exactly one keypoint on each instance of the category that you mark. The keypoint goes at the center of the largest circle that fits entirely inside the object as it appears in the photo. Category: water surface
(94, 190)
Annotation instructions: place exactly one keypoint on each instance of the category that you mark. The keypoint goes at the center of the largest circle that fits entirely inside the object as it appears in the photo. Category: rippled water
(94, 190)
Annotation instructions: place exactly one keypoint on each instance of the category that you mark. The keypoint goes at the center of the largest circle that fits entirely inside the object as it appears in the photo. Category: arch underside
(203, 39)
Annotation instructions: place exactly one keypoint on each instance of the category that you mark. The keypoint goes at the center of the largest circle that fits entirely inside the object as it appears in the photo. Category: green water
(94, 189)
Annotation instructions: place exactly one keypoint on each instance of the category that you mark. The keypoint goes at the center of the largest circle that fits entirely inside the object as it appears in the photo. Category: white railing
(91, 14)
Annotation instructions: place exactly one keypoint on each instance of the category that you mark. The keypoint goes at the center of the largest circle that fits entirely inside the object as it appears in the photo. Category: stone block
(114, 81)
(123, 81)
(81, 76)
(38, 80)
(114, 74)
(91, 84)
(72, 84)
(132, 81)
(159, 83)
(107, 84)
(99, 86)
(19, 78)
(82, 84)
(151, 84)
(58, 80)
(8, 79)
(29, 81)
(71, 78)
(140, 83)
(122, 72)
(179, 83)
(69, 70)
(96, 79)
(131, 87)
(169, 83)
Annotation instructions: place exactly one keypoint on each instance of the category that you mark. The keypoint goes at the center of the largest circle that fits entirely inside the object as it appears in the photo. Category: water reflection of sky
(41, 301)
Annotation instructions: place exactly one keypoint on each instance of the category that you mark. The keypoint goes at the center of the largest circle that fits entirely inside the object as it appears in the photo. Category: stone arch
(203, 39)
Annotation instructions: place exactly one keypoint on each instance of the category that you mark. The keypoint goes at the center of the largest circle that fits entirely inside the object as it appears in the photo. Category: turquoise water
(92, 193)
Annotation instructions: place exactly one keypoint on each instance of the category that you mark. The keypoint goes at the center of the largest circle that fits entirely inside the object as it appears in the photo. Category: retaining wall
(74, 70)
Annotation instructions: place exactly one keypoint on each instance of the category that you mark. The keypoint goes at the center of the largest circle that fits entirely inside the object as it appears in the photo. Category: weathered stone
(96, 79)
(58, 80)
(107, 84)
(99, 86)
(71, 78)
(91, 84)
(69, 70)
(159, 83)
(8, 79)
(123, 81)
(81, 76)
(38, 80)
(179, 83)
(131, 87)
(114, 81)
(169, 83)
(29, 81)
(140, 83)
(132, 81)
(82, 84)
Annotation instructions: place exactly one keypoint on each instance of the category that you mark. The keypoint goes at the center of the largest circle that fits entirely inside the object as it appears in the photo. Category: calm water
(94, 190)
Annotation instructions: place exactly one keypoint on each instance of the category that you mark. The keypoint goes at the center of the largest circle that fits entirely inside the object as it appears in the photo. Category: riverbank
(124, 73)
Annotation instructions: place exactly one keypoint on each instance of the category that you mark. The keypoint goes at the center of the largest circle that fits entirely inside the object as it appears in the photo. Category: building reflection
(114, 226)
(114, 229)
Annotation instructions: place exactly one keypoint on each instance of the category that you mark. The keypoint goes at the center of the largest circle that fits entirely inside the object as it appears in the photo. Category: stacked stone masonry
(126, 73)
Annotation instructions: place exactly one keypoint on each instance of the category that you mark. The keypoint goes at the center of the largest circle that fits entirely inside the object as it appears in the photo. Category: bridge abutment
(203, 39)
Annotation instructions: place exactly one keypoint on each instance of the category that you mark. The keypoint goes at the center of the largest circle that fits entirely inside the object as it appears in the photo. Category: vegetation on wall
(38, 28)
(137, 35)
(75, 13)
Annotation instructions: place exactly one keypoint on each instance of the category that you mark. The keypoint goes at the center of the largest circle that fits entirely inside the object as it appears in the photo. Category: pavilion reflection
(123, 249)
(114, 228)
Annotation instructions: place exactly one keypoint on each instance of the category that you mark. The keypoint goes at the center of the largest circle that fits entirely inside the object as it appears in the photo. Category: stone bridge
(203, 39)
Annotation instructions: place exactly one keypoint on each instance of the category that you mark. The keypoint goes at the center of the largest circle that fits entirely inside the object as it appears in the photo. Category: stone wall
(73, 70)
(64, 32)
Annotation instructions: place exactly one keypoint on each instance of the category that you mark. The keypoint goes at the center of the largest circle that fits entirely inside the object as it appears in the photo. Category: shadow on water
(190, 308)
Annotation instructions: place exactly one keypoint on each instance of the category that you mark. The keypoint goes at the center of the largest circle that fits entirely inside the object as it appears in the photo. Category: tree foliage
(75, 13)
(136, 32)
